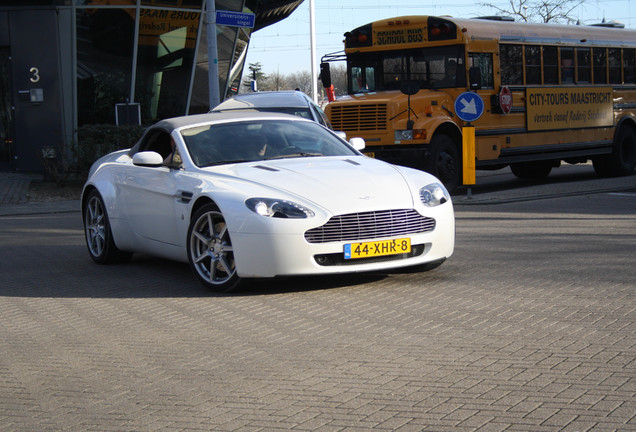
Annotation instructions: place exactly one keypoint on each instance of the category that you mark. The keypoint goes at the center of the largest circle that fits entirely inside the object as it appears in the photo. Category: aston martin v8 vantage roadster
(260, 195)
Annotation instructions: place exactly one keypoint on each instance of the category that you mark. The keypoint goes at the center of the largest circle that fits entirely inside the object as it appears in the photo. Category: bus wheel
(532, 170)
(622, 160)
(444, 162)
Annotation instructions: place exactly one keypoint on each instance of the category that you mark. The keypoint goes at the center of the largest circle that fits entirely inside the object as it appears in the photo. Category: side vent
(184, 197)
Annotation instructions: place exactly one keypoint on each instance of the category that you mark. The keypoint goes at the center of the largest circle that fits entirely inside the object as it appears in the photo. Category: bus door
(496, 115)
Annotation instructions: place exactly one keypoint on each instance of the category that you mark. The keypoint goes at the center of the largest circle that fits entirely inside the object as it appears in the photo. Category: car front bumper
(276, 254)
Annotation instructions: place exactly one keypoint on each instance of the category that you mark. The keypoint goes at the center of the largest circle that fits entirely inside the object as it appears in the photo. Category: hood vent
(266, 168)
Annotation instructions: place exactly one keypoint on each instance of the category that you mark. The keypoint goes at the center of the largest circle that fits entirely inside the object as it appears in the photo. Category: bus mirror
(409, 87)
(325, 75)
(474, 76)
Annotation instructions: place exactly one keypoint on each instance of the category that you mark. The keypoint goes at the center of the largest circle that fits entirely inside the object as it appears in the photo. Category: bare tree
(275, 81)
(300, 81)
(295, 81)
(557, 11)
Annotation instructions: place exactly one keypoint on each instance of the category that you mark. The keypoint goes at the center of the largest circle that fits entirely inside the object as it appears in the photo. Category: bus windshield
(431, 68)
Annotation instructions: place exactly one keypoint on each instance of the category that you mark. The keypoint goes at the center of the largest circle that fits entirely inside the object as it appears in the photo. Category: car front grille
(370, 225)
(352, 118)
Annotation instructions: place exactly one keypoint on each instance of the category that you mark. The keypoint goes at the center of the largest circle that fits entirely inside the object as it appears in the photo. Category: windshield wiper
(226, 162)
(293, 155)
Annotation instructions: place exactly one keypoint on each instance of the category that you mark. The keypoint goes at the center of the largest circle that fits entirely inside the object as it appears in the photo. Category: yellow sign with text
(398, 36)
(569, 108)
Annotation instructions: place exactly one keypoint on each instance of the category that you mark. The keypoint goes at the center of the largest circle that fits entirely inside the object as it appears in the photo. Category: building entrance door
(6, 112)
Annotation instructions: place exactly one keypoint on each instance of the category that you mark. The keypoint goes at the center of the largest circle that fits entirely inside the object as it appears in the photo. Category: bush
(95, 141)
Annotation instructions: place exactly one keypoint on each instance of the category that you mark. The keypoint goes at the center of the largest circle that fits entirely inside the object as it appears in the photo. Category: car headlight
(434, 194)
(278, 208)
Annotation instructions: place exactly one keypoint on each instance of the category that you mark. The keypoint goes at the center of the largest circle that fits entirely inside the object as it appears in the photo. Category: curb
(23, 209)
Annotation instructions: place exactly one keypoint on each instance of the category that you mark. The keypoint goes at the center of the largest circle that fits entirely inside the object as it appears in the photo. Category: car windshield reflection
(254, 140)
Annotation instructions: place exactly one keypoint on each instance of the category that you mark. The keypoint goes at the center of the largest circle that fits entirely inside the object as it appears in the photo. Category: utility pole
(312, 39)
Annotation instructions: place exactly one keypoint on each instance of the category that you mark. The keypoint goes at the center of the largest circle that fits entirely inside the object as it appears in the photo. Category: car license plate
(377, 248)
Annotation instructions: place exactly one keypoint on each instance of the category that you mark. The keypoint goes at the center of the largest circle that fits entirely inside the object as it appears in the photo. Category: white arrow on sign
(469, 106)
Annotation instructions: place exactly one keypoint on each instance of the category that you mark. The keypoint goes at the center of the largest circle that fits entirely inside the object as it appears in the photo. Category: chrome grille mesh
(370, 225)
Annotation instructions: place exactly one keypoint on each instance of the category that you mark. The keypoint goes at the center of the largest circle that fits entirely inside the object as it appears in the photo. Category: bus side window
(533, 64)
(615, 65)
(511, 64)
(483, 63)
(628, 66)
(567, 65)
(583, 64)
(600, 65)
(550, 65)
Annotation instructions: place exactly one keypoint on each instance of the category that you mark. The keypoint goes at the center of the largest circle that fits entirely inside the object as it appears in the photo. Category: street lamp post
(213, 57)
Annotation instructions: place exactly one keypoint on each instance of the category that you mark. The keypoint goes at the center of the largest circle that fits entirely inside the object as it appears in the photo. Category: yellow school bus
(550, 93)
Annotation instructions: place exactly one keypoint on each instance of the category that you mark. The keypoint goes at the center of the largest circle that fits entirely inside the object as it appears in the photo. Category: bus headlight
(410, 134)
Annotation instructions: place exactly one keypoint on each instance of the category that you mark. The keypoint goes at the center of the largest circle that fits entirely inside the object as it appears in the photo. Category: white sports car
(262, 195)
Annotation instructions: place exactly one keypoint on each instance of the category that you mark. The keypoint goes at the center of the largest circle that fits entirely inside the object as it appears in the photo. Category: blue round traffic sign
(469, 106)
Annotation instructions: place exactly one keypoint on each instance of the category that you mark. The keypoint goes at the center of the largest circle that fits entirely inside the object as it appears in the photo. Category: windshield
(255, 140)
(438, 67)
(298, 112)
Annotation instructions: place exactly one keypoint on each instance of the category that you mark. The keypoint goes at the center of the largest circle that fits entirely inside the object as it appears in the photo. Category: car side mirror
(357, 143)
(148, 159)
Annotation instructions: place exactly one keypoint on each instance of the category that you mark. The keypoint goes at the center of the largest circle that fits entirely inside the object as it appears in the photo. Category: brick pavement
(531, 326)
(15, 186)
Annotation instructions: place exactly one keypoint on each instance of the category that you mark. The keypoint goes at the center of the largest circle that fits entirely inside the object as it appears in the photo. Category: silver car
(287, 102)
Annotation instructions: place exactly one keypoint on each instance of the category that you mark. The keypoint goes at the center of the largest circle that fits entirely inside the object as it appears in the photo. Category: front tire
(210, 251)
(444, 161)
(97, 230)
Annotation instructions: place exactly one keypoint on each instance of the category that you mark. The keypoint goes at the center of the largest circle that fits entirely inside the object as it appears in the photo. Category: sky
(284, 47)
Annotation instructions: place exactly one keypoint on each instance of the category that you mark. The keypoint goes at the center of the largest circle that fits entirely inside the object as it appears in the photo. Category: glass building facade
(68, 63)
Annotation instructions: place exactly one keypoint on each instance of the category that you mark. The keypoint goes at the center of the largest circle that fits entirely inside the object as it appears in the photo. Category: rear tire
(97, 230)
(623, 158)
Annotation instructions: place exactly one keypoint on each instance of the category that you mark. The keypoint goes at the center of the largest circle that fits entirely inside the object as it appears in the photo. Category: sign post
(468, 154)
(214, 97)
(469, 107)
(227, 18)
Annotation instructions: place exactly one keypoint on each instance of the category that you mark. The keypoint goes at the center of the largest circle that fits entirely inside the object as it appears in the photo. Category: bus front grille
(359, 117)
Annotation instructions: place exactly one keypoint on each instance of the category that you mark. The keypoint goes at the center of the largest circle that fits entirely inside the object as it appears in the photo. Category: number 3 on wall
(35, 74)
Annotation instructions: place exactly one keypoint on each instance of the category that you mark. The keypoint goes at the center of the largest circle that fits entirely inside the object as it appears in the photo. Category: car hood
(337, 184)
